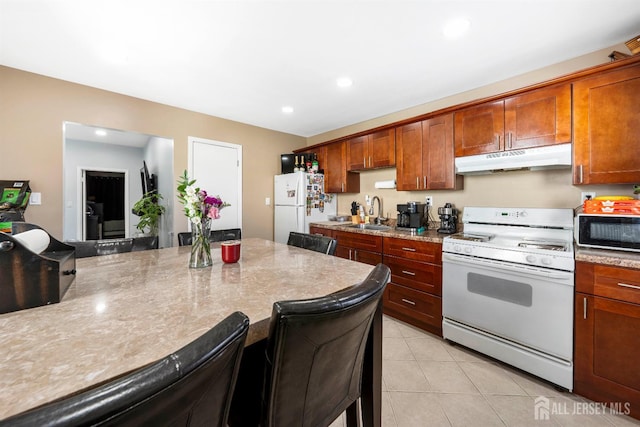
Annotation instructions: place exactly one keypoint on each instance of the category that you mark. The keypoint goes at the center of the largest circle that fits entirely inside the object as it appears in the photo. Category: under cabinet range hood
(548, 157)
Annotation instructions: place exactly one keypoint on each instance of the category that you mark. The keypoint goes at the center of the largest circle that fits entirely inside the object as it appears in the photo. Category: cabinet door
(606, 347)
(417, 308)
(480, 129)
(336, 177)
(357, 153)
(537, 118)
(606, 114)
(382, 149)
(409, 157)
(438, 153)
(362, 241)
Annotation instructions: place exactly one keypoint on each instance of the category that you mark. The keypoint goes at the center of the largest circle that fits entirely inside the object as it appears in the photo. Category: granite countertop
(127, 310)
(429, 235)
(608, 257)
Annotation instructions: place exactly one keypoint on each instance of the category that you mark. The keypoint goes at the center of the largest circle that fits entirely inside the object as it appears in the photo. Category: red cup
(230, 251)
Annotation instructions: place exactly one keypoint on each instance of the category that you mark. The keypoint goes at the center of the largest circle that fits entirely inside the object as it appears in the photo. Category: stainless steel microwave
(610, 231)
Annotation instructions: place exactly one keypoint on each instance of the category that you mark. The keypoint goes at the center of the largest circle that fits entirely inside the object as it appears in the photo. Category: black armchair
(192, 386)
(184, 239)
(315, 353)
(314, 242)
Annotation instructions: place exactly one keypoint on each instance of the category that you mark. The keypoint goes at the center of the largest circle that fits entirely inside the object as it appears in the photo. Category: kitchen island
(125, 311)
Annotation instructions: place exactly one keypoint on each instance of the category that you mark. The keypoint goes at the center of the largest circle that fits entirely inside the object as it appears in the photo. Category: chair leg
(353, 415)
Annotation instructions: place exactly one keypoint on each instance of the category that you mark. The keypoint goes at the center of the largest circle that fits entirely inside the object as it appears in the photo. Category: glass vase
(200, 246)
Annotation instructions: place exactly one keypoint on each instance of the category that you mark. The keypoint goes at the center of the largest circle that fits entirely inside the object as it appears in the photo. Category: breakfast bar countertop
(127, 310)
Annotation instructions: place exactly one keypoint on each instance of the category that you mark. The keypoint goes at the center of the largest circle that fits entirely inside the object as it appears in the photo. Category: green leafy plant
(149, 210)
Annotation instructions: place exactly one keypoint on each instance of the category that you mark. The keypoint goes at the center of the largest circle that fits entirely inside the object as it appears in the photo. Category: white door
(217, 167)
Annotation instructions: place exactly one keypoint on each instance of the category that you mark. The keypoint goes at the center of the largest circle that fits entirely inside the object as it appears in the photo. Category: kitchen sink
(370, 227)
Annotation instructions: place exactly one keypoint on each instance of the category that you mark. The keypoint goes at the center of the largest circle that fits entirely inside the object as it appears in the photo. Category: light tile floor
(428, 382)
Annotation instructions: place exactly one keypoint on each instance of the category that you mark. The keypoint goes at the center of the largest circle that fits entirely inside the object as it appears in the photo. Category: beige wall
(504, 189)
(33, 108)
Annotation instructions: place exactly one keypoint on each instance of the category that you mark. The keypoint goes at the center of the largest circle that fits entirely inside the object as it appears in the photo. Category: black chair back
(184, 239)
(192, 386)
(314, 242)
(315, 354)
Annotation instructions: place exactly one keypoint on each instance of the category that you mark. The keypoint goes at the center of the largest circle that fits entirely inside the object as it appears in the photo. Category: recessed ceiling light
(344, 82)
(101, 132)
(456, 28)
(287, 109)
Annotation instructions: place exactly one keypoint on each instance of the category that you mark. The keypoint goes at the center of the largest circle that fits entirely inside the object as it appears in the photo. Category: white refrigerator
(299, 199)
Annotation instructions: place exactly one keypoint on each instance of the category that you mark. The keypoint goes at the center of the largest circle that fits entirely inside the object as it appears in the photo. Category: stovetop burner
(542, 244)
(472, 237)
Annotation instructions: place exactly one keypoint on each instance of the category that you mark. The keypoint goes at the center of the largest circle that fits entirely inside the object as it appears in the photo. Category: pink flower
(214, 213)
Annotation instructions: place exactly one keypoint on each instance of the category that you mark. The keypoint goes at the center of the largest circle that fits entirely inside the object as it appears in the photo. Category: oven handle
(502, 266)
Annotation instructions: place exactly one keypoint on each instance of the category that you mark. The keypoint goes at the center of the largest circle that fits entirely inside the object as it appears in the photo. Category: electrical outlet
(587, 195)
(429, 200)
(367, 200)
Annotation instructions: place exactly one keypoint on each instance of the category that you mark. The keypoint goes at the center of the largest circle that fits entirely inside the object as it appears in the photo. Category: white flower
(195, 220)
(190, 190)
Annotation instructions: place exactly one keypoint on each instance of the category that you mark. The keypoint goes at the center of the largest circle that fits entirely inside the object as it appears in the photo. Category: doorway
(105, 205)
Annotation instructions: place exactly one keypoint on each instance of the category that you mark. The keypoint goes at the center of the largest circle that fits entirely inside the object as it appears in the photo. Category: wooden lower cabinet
(607, 336)
(414, 294)
(321, 231)
(359, 247)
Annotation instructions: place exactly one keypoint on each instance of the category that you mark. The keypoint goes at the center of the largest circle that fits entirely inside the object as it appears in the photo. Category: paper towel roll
(35, 240)
(386, 184)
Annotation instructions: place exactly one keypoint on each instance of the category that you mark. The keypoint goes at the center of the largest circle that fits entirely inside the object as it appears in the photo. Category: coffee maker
(411, 215)
(448, 219)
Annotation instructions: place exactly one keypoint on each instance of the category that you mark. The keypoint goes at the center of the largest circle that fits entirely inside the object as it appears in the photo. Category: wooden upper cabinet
(479, 129)
(532, 119)
(438, 154)
(357, 153)
(409, 153)
(537, 118)
(606, 114)
(336, 177)
(426, 155)
(374, 150)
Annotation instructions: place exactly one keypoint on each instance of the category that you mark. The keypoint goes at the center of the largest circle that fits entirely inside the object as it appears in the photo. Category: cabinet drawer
(367, 257)
(413, 249)
(417, 275)
(321, 231)
(617, 283)
(608, 281)
(359, 241)
(423, 307)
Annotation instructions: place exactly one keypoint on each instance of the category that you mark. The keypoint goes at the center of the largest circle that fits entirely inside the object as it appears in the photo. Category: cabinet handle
(625, 285)
(349, 254)
(342, 187)
(417, 182)
(580, 174)
(584, 308)
(408, 301)
(409, 249)
(410, 273)
(498, 140)
(425, 182)
(364, 162)
(369, 161)
(510, 139)
(355, 254)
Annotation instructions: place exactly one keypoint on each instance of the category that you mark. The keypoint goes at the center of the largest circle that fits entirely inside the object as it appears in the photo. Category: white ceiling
(244, 60)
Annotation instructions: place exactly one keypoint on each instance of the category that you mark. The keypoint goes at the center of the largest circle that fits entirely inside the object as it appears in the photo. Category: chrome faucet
(379, 218)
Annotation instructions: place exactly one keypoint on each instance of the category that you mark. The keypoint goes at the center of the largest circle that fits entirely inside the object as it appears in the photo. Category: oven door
(528, 305)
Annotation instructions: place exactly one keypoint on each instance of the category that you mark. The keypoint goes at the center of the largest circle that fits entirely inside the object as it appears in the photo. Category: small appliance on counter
(448, 219)
(412, 216)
